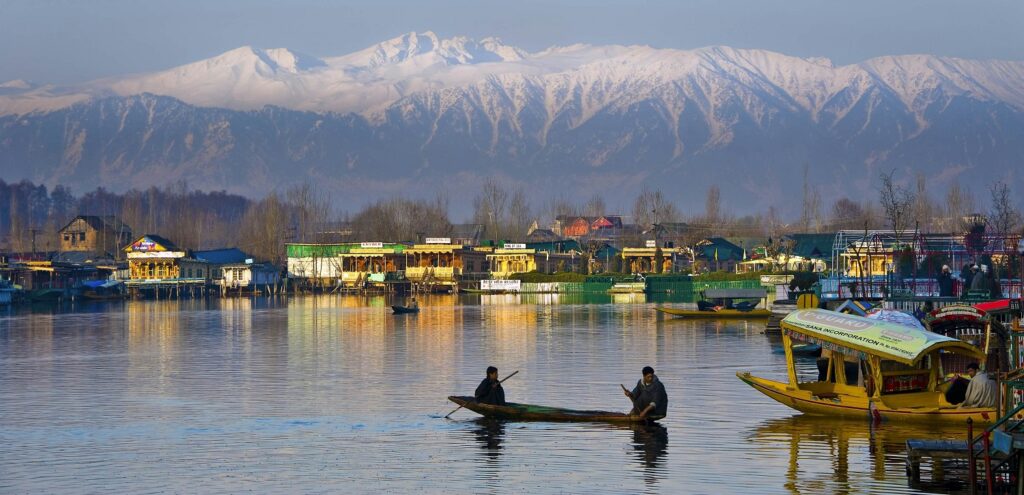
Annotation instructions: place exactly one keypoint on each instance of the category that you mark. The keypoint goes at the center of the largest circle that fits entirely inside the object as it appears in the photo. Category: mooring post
(988, 462)
(971, 475)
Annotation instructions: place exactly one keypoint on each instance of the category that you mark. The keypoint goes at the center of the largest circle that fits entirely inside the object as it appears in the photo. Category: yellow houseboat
(905, 362)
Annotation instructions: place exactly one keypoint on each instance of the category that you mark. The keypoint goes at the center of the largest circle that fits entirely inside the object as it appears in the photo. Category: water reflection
(650, 444)
(829, 455)
(324, 393)
(490, 433)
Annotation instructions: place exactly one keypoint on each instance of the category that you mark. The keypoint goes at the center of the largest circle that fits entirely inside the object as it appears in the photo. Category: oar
(499, 383)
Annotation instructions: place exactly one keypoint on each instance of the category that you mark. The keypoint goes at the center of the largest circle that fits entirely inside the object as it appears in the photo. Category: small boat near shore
(713, 314)
(530, 412)
(725, 303)
(401, 310)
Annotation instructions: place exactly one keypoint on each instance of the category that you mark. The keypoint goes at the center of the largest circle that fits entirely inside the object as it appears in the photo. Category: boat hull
(722, 313)
(861, 406)
(401, 310)
(530, 412)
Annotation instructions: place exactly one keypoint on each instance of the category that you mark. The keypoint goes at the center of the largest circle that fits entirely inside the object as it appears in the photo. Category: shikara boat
(900, 368)
(399, 310)
(724, 303)
(720, 313)
(976, 327)
(530, 412)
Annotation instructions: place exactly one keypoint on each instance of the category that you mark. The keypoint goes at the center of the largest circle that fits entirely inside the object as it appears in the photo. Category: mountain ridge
(420, 111)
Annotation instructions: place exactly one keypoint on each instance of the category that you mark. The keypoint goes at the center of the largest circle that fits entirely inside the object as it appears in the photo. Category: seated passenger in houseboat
(981, 392)
(490, 391)
(649, 396)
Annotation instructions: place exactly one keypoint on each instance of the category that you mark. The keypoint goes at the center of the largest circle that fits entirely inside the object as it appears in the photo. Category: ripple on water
(332, 394)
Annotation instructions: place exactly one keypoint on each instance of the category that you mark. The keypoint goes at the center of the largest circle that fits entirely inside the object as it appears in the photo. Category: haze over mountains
(417, 113)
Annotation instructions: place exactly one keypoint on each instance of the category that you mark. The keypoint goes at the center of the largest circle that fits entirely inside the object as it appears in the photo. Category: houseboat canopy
(865, 336)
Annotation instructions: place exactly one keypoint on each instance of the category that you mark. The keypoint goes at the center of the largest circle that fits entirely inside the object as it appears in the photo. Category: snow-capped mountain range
(419, 109)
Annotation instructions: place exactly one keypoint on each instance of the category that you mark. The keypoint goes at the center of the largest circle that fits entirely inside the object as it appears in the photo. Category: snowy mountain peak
(17, 84)
(426, 49)
(272, 60)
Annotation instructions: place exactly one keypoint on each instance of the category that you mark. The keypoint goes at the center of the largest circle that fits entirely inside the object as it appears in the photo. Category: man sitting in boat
(490, 391)
(981, 392)
(413, 304)
(649, 396)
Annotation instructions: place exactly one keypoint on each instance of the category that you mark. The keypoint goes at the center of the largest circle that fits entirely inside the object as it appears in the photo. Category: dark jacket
(645, 394)
(487, 393)
(945, 285)
(995, 290)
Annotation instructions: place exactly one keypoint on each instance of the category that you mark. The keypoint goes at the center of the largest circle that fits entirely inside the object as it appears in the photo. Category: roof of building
(718, 248)
(168, 245)
(468, 231)
(542, 235)
(102, 222)
(81, 257)
(812, 245)
(221, 256)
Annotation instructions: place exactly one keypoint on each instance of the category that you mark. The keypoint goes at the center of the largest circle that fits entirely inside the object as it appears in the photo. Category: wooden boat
(530, 412)
(721, 313)
(722, 303)
(904, 362)
(976, 327)
(399, 310)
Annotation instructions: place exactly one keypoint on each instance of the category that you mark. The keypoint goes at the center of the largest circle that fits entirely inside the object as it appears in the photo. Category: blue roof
(221, 256)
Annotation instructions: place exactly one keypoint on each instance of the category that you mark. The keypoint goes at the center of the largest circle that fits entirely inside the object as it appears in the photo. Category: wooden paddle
(499, 383)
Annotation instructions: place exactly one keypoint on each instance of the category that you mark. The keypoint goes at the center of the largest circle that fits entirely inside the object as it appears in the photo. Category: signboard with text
(371, 245)
(500, 285)
(651, 244)
(439, 240)
(515, 245)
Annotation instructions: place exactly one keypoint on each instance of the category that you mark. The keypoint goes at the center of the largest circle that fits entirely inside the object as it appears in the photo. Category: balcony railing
(421, 273)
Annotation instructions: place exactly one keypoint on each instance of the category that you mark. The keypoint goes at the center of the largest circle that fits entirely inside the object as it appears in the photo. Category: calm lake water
(332, 394)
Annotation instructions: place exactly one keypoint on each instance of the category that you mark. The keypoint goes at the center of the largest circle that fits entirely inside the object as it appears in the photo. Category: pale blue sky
(64, 41)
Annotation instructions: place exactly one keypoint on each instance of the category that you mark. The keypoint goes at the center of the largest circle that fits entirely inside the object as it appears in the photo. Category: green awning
(874, 337)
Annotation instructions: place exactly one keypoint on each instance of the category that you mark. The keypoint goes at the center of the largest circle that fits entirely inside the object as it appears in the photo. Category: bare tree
(310, 209)
(713, 206)
(897, 203)
(652, 207)
(1004, 216)
(519, 214)
(489, 207)
(923, 210)
(595, 206)
(959, 204)
(847, 214)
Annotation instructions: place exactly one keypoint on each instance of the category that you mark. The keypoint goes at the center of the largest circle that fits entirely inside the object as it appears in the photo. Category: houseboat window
(81, 236)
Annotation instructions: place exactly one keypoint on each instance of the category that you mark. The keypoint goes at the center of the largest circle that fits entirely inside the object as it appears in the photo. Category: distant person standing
(490, 390)
(945, 280)
(977, 280)
(994, 289)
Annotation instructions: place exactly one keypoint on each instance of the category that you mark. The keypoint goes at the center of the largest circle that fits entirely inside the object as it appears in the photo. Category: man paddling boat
(649, 396)
(490, 391)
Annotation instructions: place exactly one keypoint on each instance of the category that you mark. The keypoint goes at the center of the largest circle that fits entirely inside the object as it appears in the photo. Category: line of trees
(31, 215)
